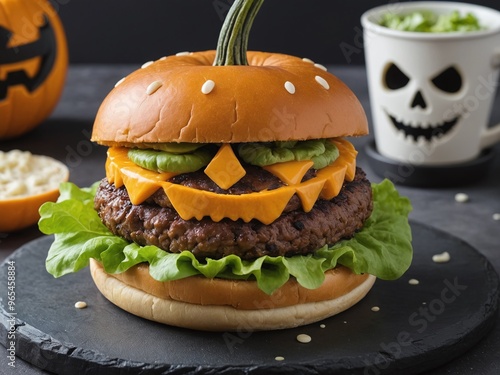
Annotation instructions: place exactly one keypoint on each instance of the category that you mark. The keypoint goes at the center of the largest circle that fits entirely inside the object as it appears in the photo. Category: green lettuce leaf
(383, 248)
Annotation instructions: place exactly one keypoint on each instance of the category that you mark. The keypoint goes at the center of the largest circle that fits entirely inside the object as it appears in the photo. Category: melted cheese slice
(265, 206)
(309, 192)
(343, 168)
(141, 183)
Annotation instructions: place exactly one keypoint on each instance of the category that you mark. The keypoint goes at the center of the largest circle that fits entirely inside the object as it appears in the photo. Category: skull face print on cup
(415, 122)
(431, 93)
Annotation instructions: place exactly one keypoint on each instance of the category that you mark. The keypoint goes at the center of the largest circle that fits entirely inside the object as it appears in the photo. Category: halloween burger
(232, 198)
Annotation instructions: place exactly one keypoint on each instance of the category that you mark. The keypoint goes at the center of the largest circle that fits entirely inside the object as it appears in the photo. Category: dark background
(136, 31)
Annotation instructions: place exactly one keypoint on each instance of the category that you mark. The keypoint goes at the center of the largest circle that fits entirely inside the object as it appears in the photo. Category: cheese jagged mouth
(265, 206)
(428, 132)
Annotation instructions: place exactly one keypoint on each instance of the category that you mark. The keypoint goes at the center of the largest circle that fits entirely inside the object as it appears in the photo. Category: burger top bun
(184, 98)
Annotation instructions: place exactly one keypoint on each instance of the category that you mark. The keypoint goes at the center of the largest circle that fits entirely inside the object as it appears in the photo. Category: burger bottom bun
(225, 317)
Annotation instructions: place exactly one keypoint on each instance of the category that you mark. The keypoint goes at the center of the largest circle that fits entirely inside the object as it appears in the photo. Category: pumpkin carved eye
(4, 37)
(44, 47)
(34, 62)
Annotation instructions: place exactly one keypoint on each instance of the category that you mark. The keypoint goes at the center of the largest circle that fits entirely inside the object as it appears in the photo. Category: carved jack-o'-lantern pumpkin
(33, 64)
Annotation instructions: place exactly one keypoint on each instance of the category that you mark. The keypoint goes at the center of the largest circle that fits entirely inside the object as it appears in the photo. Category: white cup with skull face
(431, 93)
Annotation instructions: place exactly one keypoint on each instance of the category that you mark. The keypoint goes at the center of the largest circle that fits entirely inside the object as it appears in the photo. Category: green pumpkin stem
(233, 39)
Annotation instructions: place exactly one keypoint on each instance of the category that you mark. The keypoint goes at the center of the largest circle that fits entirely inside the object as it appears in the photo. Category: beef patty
(294, 232)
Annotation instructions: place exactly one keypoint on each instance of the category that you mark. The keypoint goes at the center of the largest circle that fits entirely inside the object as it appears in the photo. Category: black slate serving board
(418, 327)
